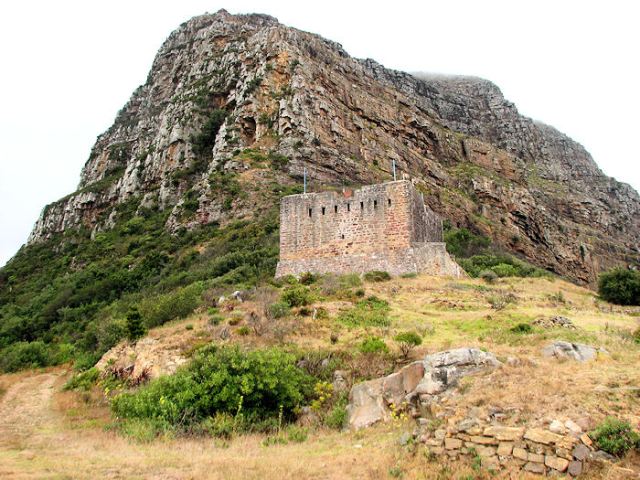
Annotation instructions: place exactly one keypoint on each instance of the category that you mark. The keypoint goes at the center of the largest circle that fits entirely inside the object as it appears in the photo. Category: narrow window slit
(348, 207)
(310, 210)
(323, 210)
(342, 236)
(375, 204)
(335, 209)
(361, 205)
(389, 200)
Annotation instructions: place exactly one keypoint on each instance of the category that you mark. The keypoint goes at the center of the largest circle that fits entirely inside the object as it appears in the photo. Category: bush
(522, 328)
(636, 335)
(257, 384)
(615, 436)
(373, 345)
(372, 312)
(244, 331)
(84, 380)
(505, 270)
(501, 264)
(178, 304)
(23, 355)
(336, 417)
(296, 296)
(488, 276)
(135, 327)
(501, 300)
(462, 243)
(377, 276)
(620, 286)
(278, 310)
(407, 342)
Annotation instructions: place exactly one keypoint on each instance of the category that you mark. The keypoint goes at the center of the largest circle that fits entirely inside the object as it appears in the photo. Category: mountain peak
(232, 94)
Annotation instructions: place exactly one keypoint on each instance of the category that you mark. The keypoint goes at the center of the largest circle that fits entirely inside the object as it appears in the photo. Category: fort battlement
(377, 227)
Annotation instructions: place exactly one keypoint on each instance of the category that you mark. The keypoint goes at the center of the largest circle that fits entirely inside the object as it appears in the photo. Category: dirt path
(25, 409)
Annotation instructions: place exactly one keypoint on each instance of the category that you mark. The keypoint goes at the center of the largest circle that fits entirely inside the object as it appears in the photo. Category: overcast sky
(68, 67)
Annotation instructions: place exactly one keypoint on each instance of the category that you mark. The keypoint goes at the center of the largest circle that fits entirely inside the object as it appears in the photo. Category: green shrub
(257, 384)
(203, 142)
(372, 312)
(183, 301)
(278, 310)
(636, 335)
(23, 355)
(336, 417)
(501, 264)
(505, 270)
(488, 276)
(296, 296)
(216, 319)
(407, 342)
(83, 380)
(522, 328)
(134, 326)
(373, 345)
(244, 331)
(377, 276)
(615, 436)
(620, 286)
(462, 243)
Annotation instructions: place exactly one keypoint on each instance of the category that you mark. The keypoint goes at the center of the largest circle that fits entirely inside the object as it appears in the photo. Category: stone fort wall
(378, 227)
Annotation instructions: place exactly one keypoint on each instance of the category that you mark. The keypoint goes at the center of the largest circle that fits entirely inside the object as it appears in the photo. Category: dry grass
(67, 438)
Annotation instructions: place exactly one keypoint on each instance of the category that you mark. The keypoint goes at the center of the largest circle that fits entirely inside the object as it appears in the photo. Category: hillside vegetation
(310, 330)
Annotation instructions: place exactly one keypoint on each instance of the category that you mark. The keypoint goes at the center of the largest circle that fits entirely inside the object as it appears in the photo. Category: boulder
(366, 404)
(369, 402)
(443, 369)
(397, 386)
(574, 351)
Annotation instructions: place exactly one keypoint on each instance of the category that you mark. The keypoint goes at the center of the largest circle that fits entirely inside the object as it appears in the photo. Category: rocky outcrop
(416, 384)
(302, 100)
(145, 359)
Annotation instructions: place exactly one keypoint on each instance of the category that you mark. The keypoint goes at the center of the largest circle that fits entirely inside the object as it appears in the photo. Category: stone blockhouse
(377, 227)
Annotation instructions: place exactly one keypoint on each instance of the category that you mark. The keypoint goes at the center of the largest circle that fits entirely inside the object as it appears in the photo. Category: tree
(407, 341)
(135, 326)
(620, 286)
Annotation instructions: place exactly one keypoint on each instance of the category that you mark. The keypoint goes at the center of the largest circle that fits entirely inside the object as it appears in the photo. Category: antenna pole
(305, 180)
(394, 169)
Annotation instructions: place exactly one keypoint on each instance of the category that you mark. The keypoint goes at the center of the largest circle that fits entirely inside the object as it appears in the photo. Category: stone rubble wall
(534, 450)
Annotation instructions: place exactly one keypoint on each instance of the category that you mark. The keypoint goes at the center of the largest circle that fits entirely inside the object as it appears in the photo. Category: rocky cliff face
(226, 93)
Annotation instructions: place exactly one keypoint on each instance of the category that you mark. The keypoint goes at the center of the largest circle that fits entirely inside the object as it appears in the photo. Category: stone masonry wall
(378, 227)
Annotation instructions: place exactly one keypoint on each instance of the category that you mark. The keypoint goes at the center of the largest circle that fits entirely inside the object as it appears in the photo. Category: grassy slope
(450, 313)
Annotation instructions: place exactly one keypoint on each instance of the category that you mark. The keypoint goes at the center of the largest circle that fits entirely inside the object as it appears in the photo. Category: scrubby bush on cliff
(257, 384)
(620, 286)
(462, 243)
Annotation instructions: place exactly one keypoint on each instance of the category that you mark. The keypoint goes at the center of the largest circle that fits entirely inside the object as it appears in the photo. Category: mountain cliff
(236, 103)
